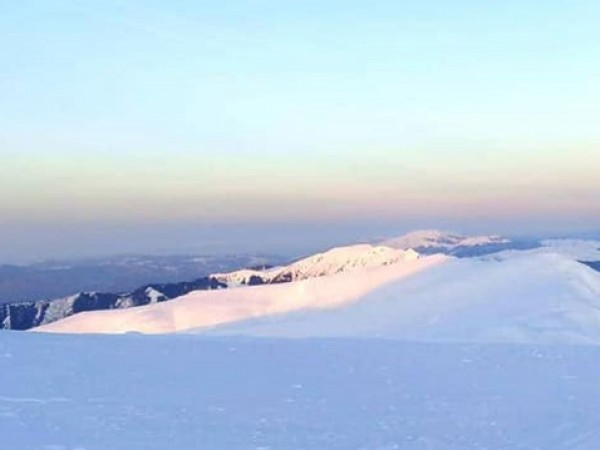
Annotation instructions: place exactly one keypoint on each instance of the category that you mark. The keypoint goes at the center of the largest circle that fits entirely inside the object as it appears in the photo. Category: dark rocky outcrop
(26, 315)
(593, 264)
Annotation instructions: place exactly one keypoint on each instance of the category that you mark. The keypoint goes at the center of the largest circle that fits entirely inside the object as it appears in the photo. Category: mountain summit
(330, 262)
(436, 241)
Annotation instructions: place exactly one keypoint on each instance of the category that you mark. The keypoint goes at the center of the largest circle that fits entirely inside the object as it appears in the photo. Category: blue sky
(424, 112)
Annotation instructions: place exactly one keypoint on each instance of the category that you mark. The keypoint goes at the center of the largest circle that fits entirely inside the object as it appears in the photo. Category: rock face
(593, 264)
(25, 315)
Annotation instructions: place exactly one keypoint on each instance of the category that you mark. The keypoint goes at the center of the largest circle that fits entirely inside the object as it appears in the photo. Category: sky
(159, 118)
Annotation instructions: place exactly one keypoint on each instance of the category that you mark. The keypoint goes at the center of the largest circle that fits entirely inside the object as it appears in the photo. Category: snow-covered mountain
(586, 250)
(435, 241)
(524, 297)
(336, 260)
(25, 315)
(56, 391)
(325, 280)
(59, 279)
(538, 295)
(209, 308)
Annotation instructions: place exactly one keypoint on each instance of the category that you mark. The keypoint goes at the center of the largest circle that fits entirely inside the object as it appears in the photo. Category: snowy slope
(527, 297)
(209, 308)
(26, 315)
(187, 392)
(336, 260)
(533, 296)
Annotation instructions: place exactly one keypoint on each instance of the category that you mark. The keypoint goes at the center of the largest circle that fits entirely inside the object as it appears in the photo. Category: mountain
(355, 261)
(532, 296)
(336, 260)
(434, 241)
(25, 315)
(345, 283)
(585, 250)
(57, 279)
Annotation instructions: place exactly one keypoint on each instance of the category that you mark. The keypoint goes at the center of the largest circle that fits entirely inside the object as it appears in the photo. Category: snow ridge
(336, 260)
(347, 280)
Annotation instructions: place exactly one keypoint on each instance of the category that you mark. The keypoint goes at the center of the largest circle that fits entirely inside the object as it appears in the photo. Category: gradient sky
(124, 114)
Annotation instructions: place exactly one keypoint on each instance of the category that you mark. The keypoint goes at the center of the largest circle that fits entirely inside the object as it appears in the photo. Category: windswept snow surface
(520, 297)
(208, 308)
(133, 392)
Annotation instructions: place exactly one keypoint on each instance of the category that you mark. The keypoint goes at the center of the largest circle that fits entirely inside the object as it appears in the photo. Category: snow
(532, 296)
(336, 260)
(441, 240)
(425, 353)
(518, 297)
(154, 295)
(583, 250)
(243, 277)
(209, 308)
(134, 392)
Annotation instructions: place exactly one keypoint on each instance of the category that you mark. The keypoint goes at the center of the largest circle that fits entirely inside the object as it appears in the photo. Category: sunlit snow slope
(534, 296)
(528, 297)
(354, 272)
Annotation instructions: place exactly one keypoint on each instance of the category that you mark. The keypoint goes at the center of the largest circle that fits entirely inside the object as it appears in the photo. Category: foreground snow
(186, 392)
(209, 308)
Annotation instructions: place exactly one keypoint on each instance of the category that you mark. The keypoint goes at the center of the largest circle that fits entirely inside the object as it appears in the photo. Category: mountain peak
(330, 262)
(437, 241)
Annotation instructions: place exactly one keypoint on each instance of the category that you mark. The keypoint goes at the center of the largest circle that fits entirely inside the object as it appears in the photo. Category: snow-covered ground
(133, 392)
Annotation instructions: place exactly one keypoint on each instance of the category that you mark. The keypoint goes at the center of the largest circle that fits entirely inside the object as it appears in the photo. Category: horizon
(137, 128)
(290, 241)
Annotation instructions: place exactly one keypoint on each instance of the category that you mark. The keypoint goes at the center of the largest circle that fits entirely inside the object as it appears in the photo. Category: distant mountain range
(25, 315)
(429, 242)
(397, 253)
(55, 279)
